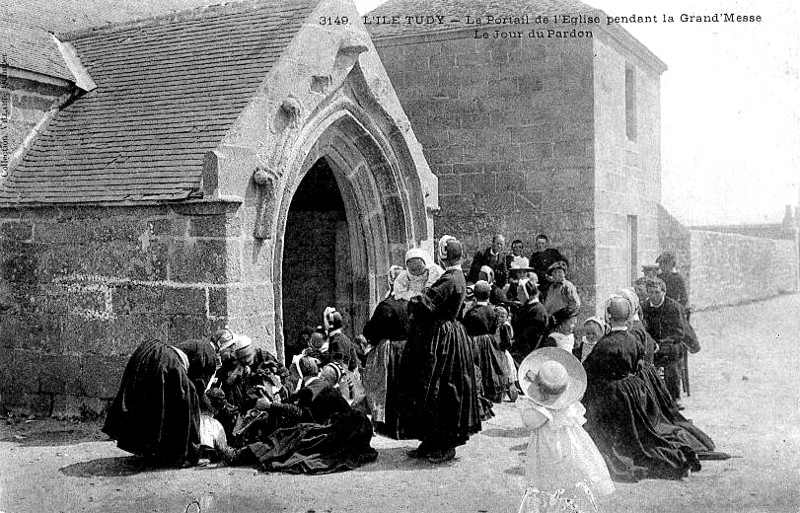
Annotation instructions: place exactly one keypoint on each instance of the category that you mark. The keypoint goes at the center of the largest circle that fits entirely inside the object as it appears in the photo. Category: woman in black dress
(623, 416)
(441, 407)
(386, 332)
(318, 431)
(481, 324)
(156, 413)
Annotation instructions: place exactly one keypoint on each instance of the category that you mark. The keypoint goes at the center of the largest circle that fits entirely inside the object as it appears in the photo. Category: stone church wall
(506, 126)
(628, 170)
(81, 287)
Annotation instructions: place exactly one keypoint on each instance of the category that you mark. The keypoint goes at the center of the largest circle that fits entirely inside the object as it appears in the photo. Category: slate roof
(168, 90)
(60, 16)
(459, 9)
(32, 49)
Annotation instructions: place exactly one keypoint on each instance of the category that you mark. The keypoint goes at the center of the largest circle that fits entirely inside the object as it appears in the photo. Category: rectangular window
(630, 102)
(633, 247)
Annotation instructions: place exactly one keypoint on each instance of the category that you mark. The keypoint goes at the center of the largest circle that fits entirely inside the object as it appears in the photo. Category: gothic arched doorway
(351, 185)
(317, 254)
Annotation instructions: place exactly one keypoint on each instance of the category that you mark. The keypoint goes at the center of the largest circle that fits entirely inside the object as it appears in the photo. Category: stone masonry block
(477, 184)
(117, 337)
(38, 333)
(199, 261)
(449, 185)
(78, 407)
(26, 371)
(60, 374)
(137, 299)
(207, 226)
(28, 403)
(7, 369)
(101, 375)
(256, 261)
(217, 301)
(185, 327)
(171, 226)
(188, 301)
(17, 231)
(575, 148)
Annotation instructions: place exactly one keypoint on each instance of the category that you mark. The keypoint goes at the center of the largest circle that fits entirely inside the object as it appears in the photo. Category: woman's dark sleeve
(374, 330)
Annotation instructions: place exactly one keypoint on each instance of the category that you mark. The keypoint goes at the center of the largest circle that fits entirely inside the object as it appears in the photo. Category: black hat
(559, 316)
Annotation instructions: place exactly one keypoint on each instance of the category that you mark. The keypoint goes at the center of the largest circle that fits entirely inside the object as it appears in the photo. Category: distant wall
(728, 269)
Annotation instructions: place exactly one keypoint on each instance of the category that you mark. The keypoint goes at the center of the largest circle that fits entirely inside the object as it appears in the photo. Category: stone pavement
(745, 394)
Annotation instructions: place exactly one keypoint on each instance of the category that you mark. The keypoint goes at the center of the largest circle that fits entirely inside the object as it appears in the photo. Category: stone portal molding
(266, 180)
(293, 110)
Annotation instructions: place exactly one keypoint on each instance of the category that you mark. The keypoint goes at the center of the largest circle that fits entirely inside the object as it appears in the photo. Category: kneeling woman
(622, 415)
(321, 432)
(156, 413)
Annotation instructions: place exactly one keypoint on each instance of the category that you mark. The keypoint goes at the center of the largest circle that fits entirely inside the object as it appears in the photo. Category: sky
(730, 106)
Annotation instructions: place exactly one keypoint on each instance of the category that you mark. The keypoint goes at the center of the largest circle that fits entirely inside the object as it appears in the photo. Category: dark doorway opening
(317, 264)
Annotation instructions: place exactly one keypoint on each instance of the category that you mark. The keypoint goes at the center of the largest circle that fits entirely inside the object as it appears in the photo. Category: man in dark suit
(676, 287)
(664, 319)
(493, 256)
(541, 259)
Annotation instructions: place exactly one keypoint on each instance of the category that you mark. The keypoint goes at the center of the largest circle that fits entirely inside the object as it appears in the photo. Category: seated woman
(621, 412)
(248, 374)
(156, 413)
(321, 432)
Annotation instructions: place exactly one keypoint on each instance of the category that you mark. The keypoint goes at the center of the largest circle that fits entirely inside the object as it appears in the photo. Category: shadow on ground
(519, 432)
(110, 467)
(396, 458)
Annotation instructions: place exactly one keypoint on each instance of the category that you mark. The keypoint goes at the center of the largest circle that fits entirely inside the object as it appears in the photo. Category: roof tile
(168, 90)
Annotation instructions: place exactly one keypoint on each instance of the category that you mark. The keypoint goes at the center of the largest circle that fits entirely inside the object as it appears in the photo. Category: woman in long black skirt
(156, 413)
(441, 403)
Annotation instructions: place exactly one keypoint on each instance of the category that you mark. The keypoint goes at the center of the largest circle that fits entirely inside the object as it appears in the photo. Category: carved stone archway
(381, 190)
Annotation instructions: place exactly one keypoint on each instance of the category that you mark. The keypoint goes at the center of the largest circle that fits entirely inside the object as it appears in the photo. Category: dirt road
(745, 394)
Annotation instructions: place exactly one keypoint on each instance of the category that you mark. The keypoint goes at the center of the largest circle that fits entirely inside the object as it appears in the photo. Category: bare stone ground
(745, 393)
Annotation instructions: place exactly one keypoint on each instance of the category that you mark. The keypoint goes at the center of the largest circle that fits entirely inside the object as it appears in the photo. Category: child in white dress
(564, 470)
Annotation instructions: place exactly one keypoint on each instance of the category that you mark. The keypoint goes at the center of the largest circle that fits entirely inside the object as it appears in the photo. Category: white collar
(663, 300)
(482, 303)
(334, 332)
(454, 267)
(619, 328)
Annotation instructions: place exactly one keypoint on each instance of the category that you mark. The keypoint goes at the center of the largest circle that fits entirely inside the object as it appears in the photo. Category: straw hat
(552, 377)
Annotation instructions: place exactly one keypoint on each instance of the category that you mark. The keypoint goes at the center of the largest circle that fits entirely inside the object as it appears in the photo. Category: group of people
(222, 398)
(438, 352)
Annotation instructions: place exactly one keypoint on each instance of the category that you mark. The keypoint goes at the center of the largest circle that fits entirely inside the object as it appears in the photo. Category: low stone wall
(82, 287)
(728, 269)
